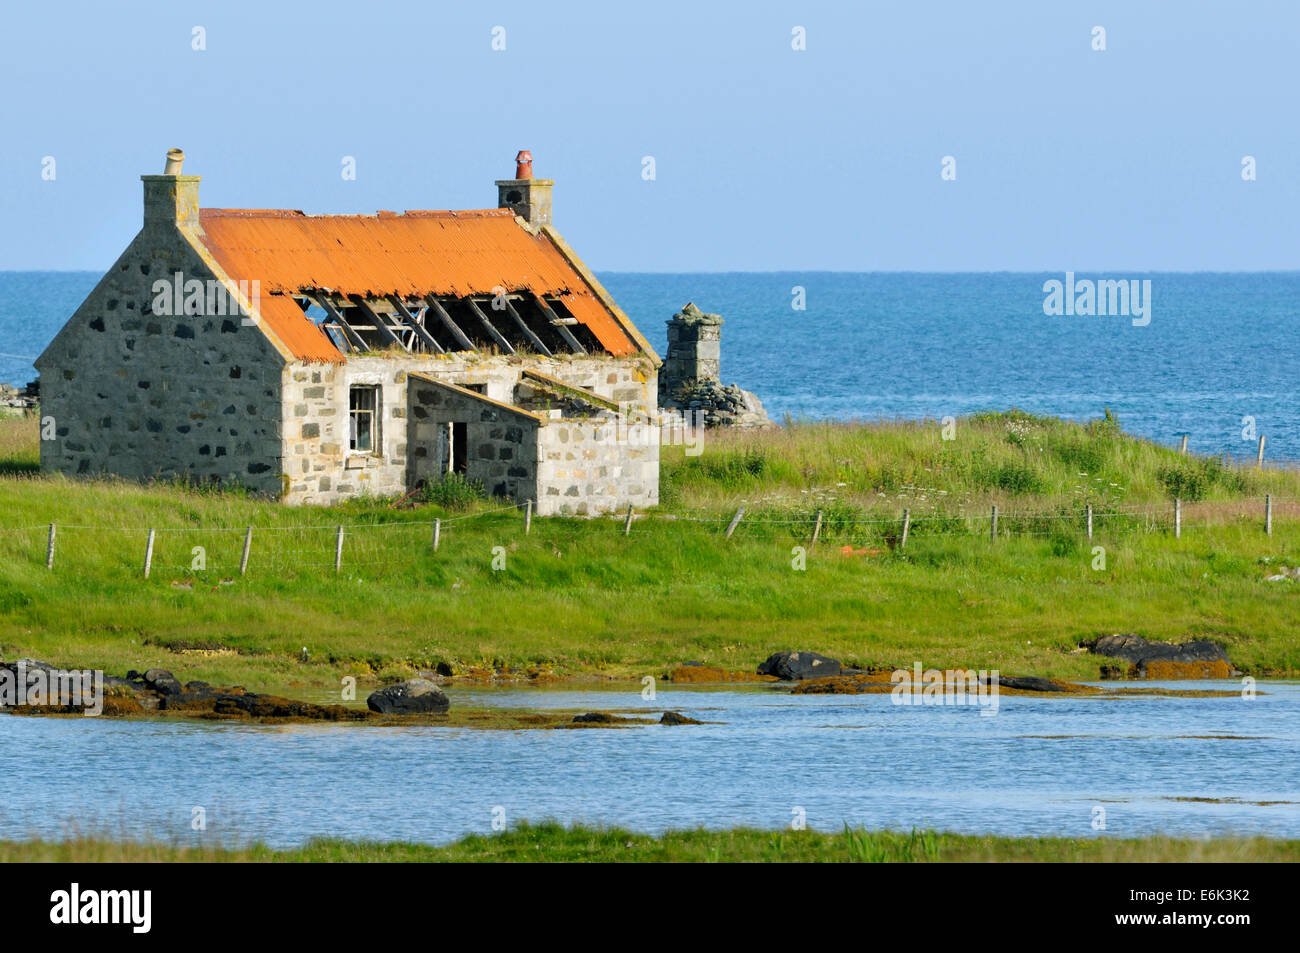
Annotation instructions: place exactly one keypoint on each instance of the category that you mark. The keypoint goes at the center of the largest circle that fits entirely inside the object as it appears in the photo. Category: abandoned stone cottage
(318, 357)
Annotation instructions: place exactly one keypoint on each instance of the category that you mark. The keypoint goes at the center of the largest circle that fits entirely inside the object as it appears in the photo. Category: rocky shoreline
(157, 692)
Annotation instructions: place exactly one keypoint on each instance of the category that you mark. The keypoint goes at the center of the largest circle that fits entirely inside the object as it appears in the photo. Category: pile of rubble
(717, 405)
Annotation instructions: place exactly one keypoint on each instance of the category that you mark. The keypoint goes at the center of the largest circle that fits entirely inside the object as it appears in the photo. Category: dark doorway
(459, 448)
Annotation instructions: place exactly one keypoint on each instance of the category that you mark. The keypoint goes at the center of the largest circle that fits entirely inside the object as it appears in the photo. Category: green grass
(577, 596)
(1008, 458)
(549, 842)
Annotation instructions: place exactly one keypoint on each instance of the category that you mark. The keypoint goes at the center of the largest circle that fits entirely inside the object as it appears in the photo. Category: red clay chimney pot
(524, 165)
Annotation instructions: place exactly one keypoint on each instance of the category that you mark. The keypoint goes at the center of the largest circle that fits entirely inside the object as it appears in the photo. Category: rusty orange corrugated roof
(410, 255)
(299, 333)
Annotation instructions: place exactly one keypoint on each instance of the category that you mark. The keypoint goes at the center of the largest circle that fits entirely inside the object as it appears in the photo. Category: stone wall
(501, 444)
(141, 394)
(595, 465)
(319, 467)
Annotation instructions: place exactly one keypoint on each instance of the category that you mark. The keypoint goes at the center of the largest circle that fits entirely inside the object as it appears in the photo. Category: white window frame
(376, 419)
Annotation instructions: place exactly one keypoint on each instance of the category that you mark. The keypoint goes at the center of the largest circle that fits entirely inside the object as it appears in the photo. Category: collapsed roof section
(427, 282)
(536, 396)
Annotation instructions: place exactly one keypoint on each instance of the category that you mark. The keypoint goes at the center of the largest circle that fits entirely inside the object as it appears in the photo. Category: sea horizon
(1213, 362)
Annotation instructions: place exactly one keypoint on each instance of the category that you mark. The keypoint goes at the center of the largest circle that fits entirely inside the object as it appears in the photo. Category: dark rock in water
(1134, 648)
(677, 718)
(162, 681)
(411, 697)
(29, 665)
(595, 717)
(197, 696)
(1030, 683)
(53, 686)
(237, 703)
(796, 666)
(269, 706)
(1197, 659)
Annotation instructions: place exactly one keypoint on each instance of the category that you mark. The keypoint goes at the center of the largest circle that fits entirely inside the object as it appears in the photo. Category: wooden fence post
(1178, 518)
(338, 550)
(735, 521)
(1089, 521)
(248, 548)
(627, 524)
(148, 554)
(437, 532)
(817, 529)
(1259, 461)
(993, 525)
(907, 525)
(1268, 514)
(528, 517)
(1183, 448)
(49, 550)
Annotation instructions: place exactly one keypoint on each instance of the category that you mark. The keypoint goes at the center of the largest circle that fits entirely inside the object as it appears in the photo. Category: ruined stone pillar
(694, 349)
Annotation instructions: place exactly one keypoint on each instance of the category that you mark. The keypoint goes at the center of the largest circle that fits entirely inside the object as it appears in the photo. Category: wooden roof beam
(380, 323)
(461, 337)
(491, 328)
(532, 336)
(559, 324)
(420, 330)
(339, 337)
(348, 331)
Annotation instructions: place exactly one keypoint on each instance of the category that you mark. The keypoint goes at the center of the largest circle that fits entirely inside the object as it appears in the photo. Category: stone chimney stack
(694, 349)
(171, 198)
(688, 380)
(529, 198)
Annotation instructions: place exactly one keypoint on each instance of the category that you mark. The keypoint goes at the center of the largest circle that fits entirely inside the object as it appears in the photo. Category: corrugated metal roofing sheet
(301, 335)
(419, 253)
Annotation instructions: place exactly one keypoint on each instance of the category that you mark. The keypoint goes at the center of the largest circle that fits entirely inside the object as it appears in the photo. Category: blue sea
(1219, 348)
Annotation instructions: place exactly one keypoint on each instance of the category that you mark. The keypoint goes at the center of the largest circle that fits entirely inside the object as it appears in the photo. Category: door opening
(459, 448)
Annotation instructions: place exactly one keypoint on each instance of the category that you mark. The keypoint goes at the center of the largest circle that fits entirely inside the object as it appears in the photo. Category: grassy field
(554, 843)
(576, 596)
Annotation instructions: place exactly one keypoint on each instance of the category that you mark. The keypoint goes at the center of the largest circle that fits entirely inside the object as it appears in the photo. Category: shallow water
(1039, 767)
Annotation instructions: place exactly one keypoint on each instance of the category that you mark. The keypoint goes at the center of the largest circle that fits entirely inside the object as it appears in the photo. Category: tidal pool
(1040, 766)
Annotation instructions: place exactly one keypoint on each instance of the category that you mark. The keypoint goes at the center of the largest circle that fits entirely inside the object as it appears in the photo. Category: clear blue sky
(766, 158)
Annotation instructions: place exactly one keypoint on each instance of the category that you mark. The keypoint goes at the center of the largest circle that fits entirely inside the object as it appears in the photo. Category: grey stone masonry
(595, 465)
(694, 349)
(500, 441)
(530, 199)
(139, 393)
(576, 465)
(688, 380)
(319, 465)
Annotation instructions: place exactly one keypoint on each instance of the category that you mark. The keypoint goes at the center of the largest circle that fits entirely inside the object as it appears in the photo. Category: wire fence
(230, 551)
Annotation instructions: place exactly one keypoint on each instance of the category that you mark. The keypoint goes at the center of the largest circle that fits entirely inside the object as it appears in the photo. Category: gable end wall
(142, 395)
